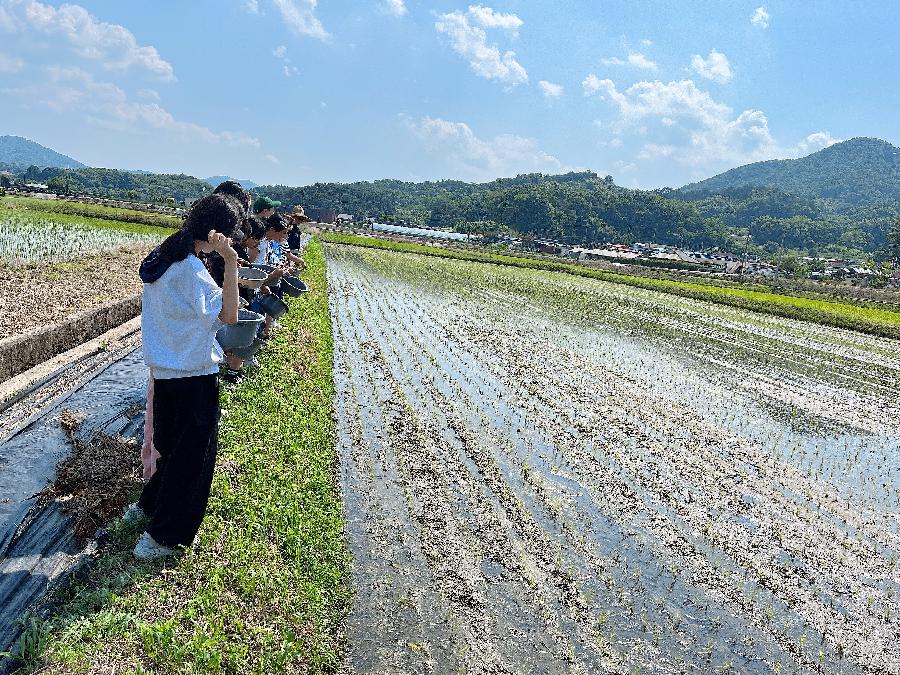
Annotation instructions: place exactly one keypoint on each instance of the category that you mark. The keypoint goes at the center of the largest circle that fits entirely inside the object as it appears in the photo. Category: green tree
(893, 242)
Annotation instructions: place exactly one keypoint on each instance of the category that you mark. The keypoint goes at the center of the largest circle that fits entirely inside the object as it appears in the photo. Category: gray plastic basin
(242, 333)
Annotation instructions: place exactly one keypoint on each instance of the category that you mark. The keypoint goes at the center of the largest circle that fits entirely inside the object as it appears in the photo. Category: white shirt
(179, 320)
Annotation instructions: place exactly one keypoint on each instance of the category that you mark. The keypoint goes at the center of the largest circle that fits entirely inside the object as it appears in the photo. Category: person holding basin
(183, 308)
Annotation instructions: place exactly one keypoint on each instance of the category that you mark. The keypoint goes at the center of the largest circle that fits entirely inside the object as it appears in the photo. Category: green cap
(263, 203)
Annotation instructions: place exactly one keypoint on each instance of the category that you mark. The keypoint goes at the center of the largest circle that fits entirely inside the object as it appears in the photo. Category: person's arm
(222, 245)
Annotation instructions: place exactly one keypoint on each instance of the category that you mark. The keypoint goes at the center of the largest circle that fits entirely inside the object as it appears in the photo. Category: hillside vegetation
(18, 152)
(861, 171)
(125, 185)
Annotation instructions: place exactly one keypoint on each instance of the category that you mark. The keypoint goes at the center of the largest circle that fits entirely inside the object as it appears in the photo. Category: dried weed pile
(97, 479)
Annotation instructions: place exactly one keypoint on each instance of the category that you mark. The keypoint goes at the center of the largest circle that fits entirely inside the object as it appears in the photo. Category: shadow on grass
(87, 591)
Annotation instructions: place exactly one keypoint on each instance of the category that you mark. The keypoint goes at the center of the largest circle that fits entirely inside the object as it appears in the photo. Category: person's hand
(278, 273)
(221, 245)
(265, 290)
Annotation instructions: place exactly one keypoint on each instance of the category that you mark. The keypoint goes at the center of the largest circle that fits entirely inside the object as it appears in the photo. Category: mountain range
(20, 153)
(215, 180)
(853, 173)
(842, 199)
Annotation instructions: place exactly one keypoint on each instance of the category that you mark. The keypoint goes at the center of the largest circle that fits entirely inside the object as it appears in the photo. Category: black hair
(254, 228)
(276, 222)
(214, 212)
(234, 189)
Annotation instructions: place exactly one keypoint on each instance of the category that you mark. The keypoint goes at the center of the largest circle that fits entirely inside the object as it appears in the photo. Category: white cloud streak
(698, 130)
(71, 90)
(488, 18)
(760, 18)
(474, 158)
(114, 46)
(394, 7)
(550, 90)
(300, 17)
(636, 59)
(714, 67)
(469, 40)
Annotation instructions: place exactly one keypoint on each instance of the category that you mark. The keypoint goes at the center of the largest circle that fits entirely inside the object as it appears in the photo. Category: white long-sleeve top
(179, 320)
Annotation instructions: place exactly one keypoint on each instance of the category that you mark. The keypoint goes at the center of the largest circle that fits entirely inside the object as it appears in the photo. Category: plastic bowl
(272, 306)
(293, 285)
(249, 351)
(250, 277)
(242, 333)
(268, 269)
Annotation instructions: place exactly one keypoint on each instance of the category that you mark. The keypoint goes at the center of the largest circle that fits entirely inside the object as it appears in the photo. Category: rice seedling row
(544, 472)
(26, 239)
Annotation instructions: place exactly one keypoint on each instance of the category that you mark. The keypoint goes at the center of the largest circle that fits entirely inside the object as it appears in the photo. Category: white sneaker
(133, 514)
(147, 548)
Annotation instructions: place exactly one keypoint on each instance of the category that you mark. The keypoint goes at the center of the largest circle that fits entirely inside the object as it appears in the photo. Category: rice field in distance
(550, 473)
(27, 237)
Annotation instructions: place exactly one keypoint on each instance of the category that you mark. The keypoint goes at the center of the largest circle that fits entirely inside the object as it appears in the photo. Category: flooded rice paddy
(544, 473)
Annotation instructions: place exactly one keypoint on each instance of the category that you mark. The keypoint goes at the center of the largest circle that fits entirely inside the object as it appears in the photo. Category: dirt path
(41, 294)
(546, 474)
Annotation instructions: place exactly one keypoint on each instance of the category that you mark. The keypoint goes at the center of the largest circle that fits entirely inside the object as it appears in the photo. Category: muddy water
(550, 474)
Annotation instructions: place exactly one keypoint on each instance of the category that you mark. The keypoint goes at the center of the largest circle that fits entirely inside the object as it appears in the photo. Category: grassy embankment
(264, 588)
(93, 214)
(848, 315)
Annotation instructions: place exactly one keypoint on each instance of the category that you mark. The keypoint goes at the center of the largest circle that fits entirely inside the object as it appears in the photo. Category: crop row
(869, 320)
(26, 239)
(89, 211)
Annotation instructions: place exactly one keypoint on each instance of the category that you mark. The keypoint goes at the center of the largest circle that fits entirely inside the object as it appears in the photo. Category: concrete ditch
(22, 352)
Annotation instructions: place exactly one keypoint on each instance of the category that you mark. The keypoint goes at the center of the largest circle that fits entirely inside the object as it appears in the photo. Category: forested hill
(575, 207)
(18, 152)
(128, 185)
(858, 172)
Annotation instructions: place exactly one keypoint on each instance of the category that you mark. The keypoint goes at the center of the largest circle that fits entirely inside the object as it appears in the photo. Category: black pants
(185, 433)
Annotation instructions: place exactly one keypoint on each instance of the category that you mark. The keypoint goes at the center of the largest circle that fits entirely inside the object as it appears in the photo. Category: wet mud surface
(551, 474)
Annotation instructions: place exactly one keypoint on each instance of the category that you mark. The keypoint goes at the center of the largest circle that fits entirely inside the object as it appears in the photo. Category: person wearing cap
(264, 207)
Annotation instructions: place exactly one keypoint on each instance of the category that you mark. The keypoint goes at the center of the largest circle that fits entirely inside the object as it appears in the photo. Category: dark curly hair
(276, 222)
(254, 228)
(234, 189)
(214, 212)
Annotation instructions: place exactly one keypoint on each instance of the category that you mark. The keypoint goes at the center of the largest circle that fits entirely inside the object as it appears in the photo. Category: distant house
(344, 218)
(322, 215)
(7, 179)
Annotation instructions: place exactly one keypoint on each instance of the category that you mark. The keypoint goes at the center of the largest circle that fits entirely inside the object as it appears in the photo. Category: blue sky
(295, 91)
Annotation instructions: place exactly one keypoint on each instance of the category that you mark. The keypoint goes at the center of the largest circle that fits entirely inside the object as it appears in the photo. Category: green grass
(265, 587)
(92, 211)
(870, 320)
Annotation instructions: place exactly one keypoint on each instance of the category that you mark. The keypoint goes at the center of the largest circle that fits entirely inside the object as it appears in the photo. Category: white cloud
(760, 18)
(488, 18)
(111, 44)
(148, 94)
(300, 16)
(714, 67)
(813, 143)
(636, 59)
(10, 64)
(280, 53)
(646, 43)
(252, 6)
(273, 159)
(470, 42)
(698, 130)
(70, 90)
(395, 7)
(474, 158)
(550, 90)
